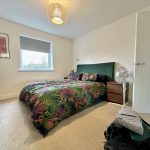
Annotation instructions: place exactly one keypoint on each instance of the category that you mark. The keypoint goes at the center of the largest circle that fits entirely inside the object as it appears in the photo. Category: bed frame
(102, 69)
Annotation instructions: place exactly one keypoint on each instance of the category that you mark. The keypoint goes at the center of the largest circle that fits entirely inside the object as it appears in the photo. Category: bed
(52, 101)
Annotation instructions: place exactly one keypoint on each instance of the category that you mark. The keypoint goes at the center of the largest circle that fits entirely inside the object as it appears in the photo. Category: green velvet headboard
(103, 69)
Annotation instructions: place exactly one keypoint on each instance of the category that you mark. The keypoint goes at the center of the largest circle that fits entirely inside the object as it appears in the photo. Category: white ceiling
(84, 15)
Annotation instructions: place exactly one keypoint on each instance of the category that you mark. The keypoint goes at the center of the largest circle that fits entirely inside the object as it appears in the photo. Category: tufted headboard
(103, 69)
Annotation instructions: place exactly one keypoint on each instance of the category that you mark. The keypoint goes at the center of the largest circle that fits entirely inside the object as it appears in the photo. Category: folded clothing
(130, 119)
(128, 112)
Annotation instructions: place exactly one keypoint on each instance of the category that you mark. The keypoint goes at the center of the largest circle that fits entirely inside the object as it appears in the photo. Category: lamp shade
(57, 13)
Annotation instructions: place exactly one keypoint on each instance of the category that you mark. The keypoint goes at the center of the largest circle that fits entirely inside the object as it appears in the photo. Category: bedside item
(123, 76)
(115, 92)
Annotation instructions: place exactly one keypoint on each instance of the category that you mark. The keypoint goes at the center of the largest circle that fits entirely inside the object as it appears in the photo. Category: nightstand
(115, 92)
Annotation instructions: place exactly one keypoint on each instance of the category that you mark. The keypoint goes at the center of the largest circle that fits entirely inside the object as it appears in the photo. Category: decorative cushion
(73, 75)
(80, 76)
(101, 78)
(98, 79)
(85, 76)
(130, 119)
(92, 77)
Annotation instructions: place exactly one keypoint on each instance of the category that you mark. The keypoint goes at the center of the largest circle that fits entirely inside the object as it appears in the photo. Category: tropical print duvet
(53, 101)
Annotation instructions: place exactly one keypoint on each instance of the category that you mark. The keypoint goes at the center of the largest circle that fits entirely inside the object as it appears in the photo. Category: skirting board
(130, 99)
(9, 96)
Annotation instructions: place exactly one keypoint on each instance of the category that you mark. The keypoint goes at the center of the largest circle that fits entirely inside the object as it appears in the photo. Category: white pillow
(130, 119)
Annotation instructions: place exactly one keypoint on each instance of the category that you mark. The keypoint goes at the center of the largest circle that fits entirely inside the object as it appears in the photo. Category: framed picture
(4, 45)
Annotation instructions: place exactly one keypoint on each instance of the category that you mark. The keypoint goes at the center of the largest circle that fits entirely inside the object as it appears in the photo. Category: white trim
(9, 96)
(51, 57)
(35, 70)
(135, 53)
(36, 38)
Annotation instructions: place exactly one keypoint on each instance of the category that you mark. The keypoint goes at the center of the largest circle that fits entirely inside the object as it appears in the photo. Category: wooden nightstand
(115, 92)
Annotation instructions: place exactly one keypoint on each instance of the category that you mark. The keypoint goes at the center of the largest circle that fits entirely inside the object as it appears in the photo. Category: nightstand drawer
(115, 98)
(115, 88)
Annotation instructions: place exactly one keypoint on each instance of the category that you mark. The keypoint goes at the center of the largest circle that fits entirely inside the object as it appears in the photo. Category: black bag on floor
(118, 138)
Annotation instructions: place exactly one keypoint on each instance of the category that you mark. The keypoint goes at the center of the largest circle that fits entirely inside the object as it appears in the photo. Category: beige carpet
(83, 131)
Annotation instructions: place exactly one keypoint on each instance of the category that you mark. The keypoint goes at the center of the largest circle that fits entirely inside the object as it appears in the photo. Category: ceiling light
(57, 13)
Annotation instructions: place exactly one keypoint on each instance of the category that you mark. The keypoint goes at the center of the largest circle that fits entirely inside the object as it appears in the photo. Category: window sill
(36, 70)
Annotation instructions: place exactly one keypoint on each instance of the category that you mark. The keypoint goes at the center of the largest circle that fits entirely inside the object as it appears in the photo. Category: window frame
(50, 58)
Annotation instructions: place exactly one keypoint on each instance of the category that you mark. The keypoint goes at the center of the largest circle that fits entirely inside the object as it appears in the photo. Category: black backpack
(118, 138)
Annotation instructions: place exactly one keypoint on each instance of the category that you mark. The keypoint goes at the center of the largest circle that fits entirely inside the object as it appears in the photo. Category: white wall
(12, 81)
(112, 43)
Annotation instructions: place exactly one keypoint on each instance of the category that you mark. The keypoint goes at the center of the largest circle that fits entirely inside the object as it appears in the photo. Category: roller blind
(31, 44)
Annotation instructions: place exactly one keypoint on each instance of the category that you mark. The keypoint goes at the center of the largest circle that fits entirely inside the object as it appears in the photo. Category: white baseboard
(130, 99)
(9, 96)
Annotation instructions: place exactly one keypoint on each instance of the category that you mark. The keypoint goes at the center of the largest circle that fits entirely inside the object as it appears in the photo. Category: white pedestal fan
(122, 76)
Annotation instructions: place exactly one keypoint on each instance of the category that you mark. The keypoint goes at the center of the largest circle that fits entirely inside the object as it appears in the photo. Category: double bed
(52, 101)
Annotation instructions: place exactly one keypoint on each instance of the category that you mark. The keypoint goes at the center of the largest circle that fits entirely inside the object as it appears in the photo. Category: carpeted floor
(83, 131)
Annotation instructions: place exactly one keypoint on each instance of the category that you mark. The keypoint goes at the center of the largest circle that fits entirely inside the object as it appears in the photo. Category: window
(36, 55)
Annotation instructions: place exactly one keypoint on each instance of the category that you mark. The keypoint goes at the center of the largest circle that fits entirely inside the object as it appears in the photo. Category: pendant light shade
(57, 13)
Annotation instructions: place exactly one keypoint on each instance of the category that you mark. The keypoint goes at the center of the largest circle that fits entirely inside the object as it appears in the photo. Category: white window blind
(34, 45)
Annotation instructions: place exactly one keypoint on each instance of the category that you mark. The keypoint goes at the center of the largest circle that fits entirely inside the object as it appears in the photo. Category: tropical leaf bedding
(53, 101)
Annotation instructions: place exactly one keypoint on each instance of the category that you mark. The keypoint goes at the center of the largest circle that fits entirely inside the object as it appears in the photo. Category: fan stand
(124, 94)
